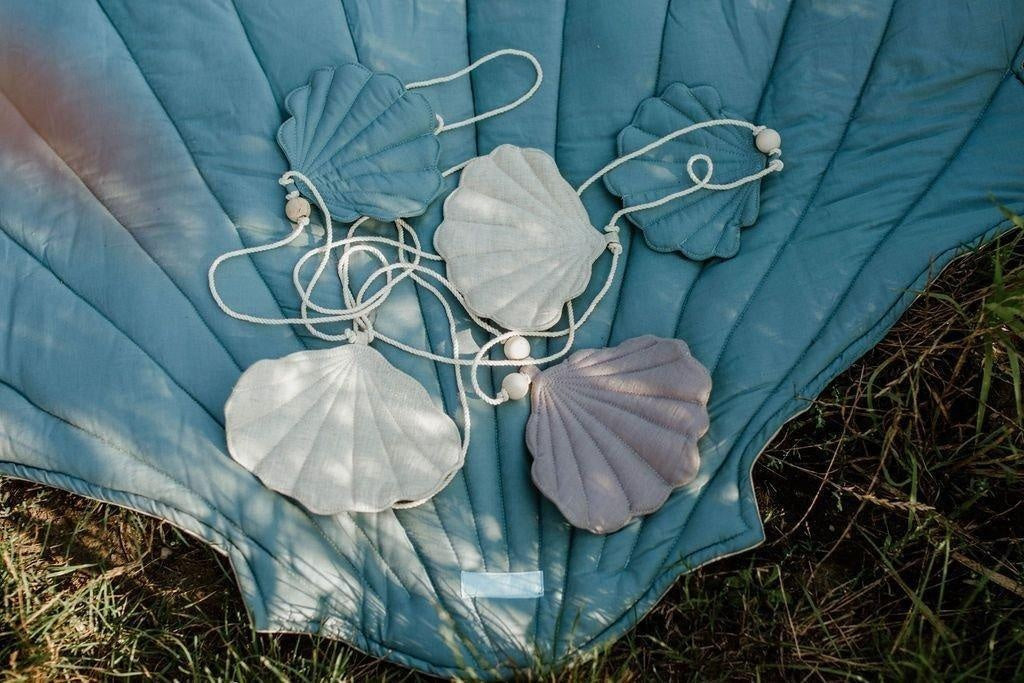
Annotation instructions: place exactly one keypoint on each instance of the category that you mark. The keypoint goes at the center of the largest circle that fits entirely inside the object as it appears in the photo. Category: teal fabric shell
(137, 142)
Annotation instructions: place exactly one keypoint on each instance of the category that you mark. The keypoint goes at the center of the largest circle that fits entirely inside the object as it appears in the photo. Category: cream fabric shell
(614, 431)
(516, 239)
(341, 430)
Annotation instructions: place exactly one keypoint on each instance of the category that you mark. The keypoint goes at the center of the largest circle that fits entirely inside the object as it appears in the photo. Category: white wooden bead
(296, 208)
(517, 348)
(516, 385)
(767, 140)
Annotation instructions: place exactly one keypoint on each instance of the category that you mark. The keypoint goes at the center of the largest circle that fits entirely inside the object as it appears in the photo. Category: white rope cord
(754, 129)
(356, 309)
(699, 184)
(300, 225)
(442, 127)
(456, 168)
(360, 306)
(478, 360)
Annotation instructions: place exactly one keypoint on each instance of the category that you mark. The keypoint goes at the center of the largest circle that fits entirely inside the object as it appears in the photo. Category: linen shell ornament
(705, 224)
(365, 141)
(341, 430)
(614, 431)
(516, 239)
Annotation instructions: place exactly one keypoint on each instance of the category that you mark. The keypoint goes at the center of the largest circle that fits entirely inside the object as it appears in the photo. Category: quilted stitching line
(329, 381)
(661, 47)
(393, 416)
(107, 211)
(307, 89)
(379, 193)
(188, 151)
(351, 31)
(472, 610)
(248, 39)
(700, 267)
(814, 194)
(461, 474)
(440, 606)
(105, 317)
(741, 192)
(355, 136)
(626, 237)
(579, 472)
(283, 143)
(730, 231)
(579, 382)
(757, 115)
(731, 235)
(626, 446)
(681, 142)
(656, 162)
(388, 148)
(398, 518)
(362, 86)
(355, 522)
(775, 56)
(496, 419)
(684, 437)
(542, 510)
(722, 134)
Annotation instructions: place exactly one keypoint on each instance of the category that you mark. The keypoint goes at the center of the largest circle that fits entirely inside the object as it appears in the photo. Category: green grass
(893, 509)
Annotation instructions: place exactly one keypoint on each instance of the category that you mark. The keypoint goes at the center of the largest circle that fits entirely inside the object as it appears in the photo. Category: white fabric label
(509, 585)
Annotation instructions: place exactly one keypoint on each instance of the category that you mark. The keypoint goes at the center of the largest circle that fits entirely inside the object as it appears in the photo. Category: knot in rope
(359, 336)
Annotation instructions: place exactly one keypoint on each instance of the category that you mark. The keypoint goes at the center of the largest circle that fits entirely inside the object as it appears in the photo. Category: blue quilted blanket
(137, 143)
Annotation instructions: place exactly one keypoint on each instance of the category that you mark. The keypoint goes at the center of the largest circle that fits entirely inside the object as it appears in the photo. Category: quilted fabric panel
(137, 143)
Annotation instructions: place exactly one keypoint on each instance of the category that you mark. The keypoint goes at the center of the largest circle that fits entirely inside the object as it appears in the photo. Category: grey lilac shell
(614, 431)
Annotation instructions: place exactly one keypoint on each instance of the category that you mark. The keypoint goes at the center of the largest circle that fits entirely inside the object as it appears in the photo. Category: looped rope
(699, 183)
(359, 336)
(539, 77)
(611, 236)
